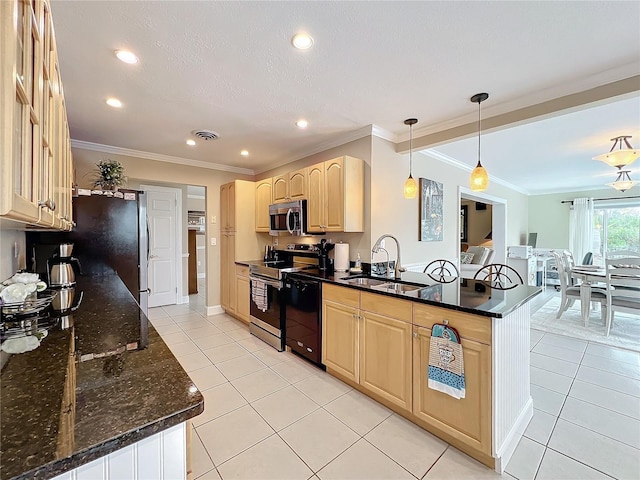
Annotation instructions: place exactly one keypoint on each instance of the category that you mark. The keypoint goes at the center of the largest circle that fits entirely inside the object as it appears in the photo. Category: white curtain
(580, 228)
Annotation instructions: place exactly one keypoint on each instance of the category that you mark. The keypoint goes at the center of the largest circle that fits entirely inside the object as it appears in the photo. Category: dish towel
(259, 294)
(446, 366)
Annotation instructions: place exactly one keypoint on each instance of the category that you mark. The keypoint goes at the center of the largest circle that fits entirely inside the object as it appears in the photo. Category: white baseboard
(214, 310)
(202, 275)
(513, 438)
(183, 299)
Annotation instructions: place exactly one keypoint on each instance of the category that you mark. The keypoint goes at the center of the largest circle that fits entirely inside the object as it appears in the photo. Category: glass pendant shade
(623, 182)
(410, 188)
(621, 157)
(479, 178)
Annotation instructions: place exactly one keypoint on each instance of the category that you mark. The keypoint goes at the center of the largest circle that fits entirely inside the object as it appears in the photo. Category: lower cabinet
(382, 344)
(368, 348)
(468, 419)
(242, 293)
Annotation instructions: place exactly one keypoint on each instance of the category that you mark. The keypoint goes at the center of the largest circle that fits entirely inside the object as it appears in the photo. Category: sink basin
(397, 287)
(364, 281)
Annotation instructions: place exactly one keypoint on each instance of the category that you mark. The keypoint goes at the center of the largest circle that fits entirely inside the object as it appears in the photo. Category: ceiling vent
(206, 134)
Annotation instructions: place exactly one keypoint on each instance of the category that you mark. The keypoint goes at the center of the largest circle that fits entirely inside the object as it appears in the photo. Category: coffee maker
(60, 267)
(324, 262)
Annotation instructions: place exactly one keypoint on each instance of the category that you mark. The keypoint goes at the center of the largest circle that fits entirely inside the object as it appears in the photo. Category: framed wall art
(431, 210)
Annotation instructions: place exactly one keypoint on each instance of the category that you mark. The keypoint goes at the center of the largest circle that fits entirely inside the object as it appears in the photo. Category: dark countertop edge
(63, 465)
(483, 313)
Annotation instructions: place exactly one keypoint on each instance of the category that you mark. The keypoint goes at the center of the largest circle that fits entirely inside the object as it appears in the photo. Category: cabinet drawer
(242, 270)
(342, 295)
(468, 325)
(384, 305)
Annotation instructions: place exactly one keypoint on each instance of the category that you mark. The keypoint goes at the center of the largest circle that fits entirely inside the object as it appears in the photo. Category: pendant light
(479, 177)
(410, 186)
(621, 157)
(623, 181)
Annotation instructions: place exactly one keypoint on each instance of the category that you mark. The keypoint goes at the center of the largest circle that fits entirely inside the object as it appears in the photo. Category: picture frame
(431, 209)
(464, 223)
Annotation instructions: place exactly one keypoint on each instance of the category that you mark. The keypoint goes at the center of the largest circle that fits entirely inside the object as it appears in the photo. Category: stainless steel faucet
(376, 248)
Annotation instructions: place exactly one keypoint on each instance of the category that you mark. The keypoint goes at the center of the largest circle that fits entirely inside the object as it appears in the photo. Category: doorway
(498, 228)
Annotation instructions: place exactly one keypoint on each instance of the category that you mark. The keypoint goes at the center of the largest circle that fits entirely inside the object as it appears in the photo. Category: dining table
(588, 275)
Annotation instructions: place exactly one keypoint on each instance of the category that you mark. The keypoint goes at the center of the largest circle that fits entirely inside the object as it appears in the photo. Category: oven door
(267, 312)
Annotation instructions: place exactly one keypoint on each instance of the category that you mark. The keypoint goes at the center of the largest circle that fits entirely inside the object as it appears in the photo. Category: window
(616, 227)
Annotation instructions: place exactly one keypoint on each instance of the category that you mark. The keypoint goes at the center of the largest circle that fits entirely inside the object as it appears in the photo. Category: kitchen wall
(392, 213)
(550, 218)
(153, 171)
(12, 248)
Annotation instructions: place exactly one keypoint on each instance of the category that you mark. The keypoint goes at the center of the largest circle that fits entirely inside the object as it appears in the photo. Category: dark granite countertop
(465, 295)
(100, 380)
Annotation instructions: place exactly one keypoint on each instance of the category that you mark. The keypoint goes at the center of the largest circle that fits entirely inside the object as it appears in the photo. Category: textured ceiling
(230, 67)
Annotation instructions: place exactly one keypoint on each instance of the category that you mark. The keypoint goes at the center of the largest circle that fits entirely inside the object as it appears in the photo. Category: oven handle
(269, 281)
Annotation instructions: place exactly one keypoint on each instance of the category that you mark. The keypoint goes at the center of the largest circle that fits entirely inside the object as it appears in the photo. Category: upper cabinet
(290, 186)
(263, 200)
(335, 201)
(34, 135)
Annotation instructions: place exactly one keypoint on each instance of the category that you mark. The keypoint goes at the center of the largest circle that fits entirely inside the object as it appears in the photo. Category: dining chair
(622, 253)
(499, 276)
(442, 271)
(569, 293)
(623, 286)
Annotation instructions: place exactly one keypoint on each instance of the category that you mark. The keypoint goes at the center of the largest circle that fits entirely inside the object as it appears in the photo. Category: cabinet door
(385, 358)
(227, 271)
(263, 200)
(224, 207)
(298, 184)
(231, 208)
(315, 200)
(242, 292)
(340, 339)
(467, 419)
(280, 188)
(334, 195)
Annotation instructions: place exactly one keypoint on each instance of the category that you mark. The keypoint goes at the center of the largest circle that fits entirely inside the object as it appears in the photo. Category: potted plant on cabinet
(109, 175)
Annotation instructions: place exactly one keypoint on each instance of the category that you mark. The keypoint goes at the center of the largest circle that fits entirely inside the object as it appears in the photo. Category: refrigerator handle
(148, 238)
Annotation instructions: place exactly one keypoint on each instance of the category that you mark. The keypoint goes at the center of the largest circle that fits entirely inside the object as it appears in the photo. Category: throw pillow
(466, 257)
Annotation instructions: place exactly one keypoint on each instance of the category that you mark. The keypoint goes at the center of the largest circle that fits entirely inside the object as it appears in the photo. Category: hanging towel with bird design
(446, 366)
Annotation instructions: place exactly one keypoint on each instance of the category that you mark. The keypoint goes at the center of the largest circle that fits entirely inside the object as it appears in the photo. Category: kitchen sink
(397, 287)
(364, 281)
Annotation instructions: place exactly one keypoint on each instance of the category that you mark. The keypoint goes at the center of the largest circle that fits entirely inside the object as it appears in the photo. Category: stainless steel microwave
(288, 218)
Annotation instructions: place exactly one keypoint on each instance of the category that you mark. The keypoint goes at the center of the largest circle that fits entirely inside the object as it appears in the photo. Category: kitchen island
(102, 394)
(376, 337)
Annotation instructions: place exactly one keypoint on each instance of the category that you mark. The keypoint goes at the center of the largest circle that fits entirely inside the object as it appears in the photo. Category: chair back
(442, 271)
(623, 286)
(563, 274)
(588, 259)
(499, 276)
(569, 261)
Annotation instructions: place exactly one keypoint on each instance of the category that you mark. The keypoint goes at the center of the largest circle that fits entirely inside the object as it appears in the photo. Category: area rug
(625, 330)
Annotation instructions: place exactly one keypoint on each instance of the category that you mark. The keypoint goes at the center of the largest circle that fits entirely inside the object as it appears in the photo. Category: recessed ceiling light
(244, 153)
(302, 41)
(126, 56)
(191, 142)
(302, 123)
(114, 102)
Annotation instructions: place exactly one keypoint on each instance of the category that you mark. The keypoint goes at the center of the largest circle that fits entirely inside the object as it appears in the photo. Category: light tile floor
(271, 415)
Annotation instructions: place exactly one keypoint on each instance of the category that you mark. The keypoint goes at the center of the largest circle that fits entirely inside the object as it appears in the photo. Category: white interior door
(161, 212)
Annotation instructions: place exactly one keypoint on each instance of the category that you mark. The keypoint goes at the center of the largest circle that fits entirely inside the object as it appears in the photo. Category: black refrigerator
(110, 237)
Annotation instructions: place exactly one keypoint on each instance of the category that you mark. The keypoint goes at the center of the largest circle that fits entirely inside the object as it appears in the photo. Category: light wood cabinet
(290, 186)
(468, 420)
(238, 240)
(36, 164)
(243, 298)
(368, 347)
(263, 200)
(335, 196)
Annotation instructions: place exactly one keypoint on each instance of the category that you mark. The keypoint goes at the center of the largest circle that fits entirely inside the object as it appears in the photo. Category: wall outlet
(275, 242)
(214, 241)
(199, 264)
(213, 219)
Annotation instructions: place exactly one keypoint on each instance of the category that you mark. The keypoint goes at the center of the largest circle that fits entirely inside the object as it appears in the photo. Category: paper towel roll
(342, 257)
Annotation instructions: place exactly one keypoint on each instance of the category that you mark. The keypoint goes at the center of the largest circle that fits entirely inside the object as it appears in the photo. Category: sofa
(481, 256)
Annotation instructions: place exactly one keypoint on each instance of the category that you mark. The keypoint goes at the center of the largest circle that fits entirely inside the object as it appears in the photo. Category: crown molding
(463, 166)
(97, 147)
(380, 132)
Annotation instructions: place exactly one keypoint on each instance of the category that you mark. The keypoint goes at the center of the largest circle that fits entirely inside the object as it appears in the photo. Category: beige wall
(162, 173)
(550, 218)
(12, 241)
